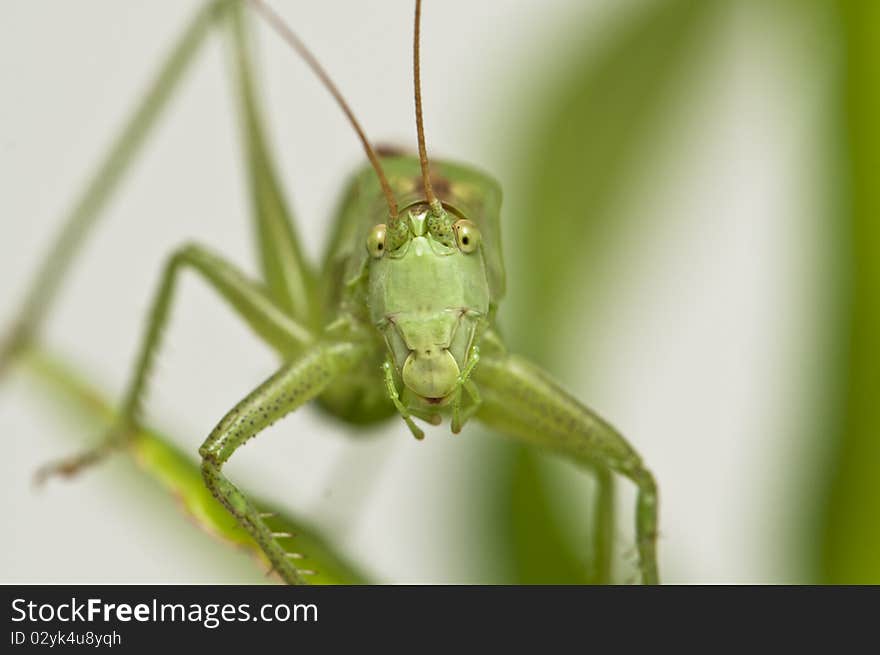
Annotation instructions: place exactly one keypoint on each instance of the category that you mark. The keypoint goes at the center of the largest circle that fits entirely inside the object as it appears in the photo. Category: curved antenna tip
(283, 30)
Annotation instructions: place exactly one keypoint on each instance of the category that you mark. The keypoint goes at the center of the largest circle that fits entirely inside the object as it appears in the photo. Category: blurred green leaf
(178, 474)
(850, 533)
(581, 148)
(584, 146)
(541, 551)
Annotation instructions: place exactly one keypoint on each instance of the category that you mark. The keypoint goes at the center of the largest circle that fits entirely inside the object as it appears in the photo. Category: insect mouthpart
(431, 373)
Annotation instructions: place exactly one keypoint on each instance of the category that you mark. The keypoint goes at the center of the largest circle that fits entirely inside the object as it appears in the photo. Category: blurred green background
(691, 226)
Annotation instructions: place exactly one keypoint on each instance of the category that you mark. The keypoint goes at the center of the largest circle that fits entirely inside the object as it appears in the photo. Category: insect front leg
(459, 417)
(245, 296)
(391, 387)
(292, 386)
(522, 401)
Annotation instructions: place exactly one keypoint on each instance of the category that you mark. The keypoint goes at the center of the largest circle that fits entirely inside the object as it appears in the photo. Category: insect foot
(70, 466)
(66, 468)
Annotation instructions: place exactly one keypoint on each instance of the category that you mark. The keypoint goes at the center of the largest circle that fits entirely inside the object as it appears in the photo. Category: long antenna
(436, 207)
(277, 23)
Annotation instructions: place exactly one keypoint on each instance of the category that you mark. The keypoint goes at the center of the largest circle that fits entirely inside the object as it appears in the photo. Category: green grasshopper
(400, 320)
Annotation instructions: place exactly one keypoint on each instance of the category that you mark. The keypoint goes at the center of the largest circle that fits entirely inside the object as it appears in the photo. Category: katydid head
(428, 297)
(428, 286)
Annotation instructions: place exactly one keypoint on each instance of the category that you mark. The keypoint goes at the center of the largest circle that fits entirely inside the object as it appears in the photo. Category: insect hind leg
(245, 296)
(524, 402)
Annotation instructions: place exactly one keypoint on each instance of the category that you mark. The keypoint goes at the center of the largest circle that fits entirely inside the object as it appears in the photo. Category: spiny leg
(293, 385)
(522, 401)
(247, 299)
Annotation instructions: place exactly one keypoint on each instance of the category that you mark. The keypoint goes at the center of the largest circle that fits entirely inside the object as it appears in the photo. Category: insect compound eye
(376, 241)
(467, 235)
